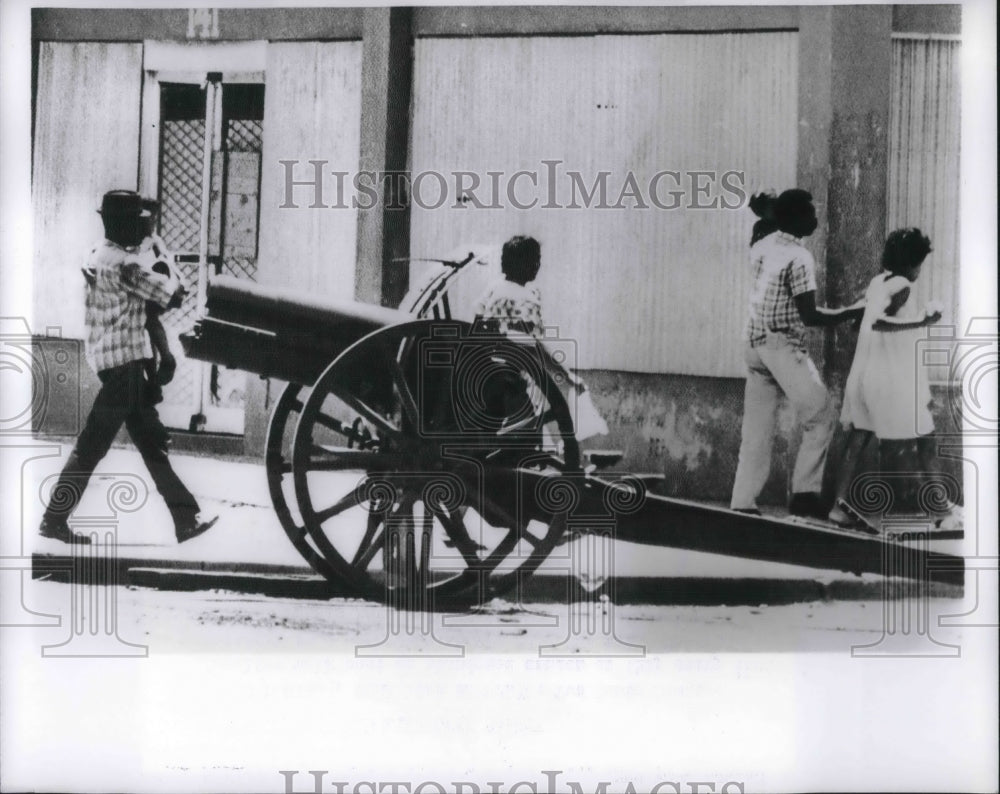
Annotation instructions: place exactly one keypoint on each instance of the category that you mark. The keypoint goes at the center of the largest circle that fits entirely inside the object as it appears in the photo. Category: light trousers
(781, 367)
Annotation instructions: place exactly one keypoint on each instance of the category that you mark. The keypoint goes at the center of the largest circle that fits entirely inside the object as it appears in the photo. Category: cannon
(418, 459)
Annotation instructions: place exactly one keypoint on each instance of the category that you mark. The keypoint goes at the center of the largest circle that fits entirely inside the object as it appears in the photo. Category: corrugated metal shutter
(86, 142)
(312, 111)
(924, 158)
(652, 290)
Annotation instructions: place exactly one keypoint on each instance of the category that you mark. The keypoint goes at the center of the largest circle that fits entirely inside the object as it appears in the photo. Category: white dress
(887, 390)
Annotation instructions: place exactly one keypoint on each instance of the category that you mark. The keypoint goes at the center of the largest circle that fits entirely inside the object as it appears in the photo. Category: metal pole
(211, 87)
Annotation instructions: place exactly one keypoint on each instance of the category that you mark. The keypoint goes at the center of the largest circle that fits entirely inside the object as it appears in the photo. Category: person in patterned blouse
(510, 304)
(120, 281)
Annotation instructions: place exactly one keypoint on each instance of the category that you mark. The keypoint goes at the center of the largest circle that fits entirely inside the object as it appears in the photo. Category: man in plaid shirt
(121, 280)
(782, 305)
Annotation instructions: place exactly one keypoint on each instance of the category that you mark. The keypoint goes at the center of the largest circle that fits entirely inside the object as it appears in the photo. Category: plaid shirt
(782, 269)
(123, 281)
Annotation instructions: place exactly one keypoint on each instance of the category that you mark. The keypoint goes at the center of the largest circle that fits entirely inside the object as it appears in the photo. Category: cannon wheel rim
(285, 416)
(480, 573)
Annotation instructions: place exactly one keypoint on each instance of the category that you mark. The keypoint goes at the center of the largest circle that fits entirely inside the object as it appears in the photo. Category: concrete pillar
(845, 64)
(861, 74)
(386, 80)
(815, 111)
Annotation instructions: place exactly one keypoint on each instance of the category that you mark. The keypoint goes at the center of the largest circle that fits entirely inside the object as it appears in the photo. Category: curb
(282, 581)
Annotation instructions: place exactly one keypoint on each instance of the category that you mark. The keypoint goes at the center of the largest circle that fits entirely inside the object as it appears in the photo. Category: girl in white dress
(887, 395)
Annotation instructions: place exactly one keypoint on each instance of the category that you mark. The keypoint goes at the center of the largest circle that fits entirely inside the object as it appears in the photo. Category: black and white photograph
(498, 398)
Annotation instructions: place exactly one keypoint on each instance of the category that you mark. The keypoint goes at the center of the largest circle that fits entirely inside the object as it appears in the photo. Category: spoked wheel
(278, 463)
(432, 463)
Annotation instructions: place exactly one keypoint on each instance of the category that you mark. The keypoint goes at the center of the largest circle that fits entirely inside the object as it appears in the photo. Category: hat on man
(120, 203)
(124, 218)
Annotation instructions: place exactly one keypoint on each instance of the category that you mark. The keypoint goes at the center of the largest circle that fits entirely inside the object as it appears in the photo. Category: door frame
(177, 62)
(194, 64)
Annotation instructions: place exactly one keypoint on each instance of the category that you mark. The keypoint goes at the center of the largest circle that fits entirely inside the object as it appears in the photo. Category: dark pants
(124, 398)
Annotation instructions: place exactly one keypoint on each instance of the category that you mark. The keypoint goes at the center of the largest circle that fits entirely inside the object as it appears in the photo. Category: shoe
(951, 521)
(197, 526)
(840, 515)
(57, 529)
(808, 505)
(747, 511)
(844, 516)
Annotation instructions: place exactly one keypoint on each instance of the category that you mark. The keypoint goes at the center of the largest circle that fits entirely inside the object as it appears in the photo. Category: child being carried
(163, 365)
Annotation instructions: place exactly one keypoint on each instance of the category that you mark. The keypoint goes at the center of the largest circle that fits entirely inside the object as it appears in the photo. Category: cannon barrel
(277, 332)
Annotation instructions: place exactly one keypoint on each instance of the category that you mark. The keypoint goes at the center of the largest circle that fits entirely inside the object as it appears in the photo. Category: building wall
(312, 112)
(94, 91)
(924, 149)
(685, 426)
(176, 24)
(688, 430)
(668, 132)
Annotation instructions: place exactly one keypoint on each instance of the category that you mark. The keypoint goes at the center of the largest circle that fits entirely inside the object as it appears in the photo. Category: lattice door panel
(181, 184)
(181, 177)
(244, 135)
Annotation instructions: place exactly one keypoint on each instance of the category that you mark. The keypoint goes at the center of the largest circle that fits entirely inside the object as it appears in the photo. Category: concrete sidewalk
(248, 551)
